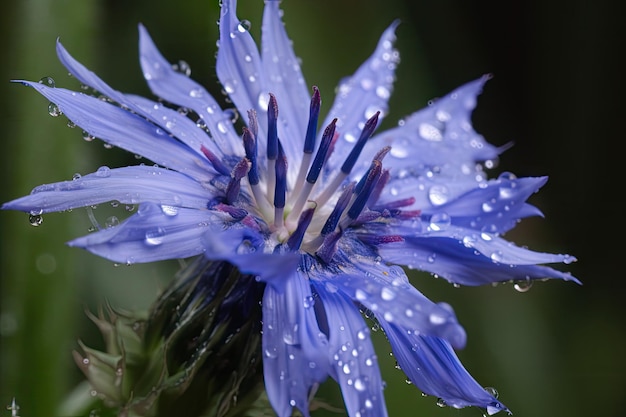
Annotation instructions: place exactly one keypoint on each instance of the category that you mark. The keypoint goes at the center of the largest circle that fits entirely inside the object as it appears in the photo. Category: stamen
(314, 171)
(215, 161)
(364, 189)
(348, 164)
(250, 146)
(309, 139)
(234, 186)
(281, 187)
(234, 212)
(335, 215)
(272, 144)
(295, 240)
(329, 247)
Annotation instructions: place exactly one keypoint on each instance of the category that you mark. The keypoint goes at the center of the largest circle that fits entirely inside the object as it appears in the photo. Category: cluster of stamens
(290, 213)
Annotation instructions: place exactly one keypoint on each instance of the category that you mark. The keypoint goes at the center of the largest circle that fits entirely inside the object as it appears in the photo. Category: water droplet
(182, 67)
(441, 402)
(346, 369)
(399, 151)
(308, 301)
(196, 93)
(492, 391)
(430, 132)
(438, 195)
(53, 110)
(263, 101)
(387, 294)
(76, 176)
(522, 286)
(271, 352)
(436, 318)
(169, 210)
(111, 222)
(35, 219)
(440, 221)
(360, 294)
(244, 26)
(383, 92)
(359, 385)
(290, 335)
(87, 137)
(103, 172)
(47, 81)
(496, 256)
(155, 237)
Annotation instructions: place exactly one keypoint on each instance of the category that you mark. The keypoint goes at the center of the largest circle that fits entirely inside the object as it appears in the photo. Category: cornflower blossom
(322, 222)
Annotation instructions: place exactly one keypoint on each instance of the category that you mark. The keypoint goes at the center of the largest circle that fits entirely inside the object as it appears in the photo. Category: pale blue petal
(494, 207)
(169, 121)
(129, 185)
(385, 290)
(151, 234)
(466, 257)
(360, 96)
(352, 355)
(245, 247)
(433, 366)
(179, 89)
(295, 350)
(239, 61)
(126, 130)
(284, 79)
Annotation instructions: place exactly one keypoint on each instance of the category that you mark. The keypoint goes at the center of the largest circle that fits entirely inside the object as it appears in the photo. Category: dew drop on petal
(103, 172)
(430, 132)
(47, 81)
(111, 222)
(522, 286)
(168, 210)
(438, 195)
(440, 221)
(155, 237)
(35, 219)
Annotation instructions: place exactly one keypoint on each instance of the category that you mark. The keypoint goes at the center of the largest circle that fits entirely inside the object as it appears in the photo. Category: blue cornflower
(325, 220)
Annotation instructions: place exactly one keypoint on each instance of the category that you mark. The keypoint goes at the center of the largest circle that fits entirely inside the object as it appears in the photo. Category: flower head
(326, 218)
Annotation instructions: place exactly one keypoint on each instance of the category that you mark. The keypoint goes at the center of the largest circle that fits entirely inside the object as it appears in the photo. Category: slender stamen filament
(314, 171)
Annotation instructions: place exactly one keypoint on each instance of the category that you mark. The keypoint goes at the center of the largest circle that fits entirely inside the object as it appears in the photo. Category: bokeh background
(556, 350)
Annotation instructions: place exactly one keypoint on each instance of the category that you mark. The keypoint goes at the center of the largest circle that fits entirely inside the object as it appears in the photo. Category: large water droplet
(522, 286)
(438, 195)
(35, 219)
(430, 132)
(170, 211)
(359, 385)
(439, 221)
(103, 172)
(47, 81)
(155, 237)
(244, 26)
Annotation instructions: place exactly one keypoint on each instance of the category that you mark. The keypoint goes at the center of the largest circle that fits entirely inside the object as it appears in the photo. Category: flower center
(309, 214)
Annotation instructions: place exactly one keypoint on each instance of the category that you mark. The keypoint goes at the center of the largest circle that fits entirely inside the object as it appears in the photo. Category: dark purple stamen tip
(215, 161)
(295, 240)
(253, 123)
(234, 186)
(272, 132)
(335, 215)
(367, 131)
(250, 146)
(364, 188)
(322, 153)
(281, 178)
(376, 240)
(311, 130)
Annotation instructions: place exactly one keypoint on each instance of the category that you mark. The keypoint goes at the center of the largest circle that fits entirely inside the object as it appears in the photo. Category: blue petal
(284, 79)
(126, 130)
(362, 95)
(295, 350)
(494, 207)
(130, 185)
(466, 257)
(245, 248)
(167, 119)
(386, 291)
(180, 89)
(238, 61)
(352, 355)
(152, 234)
(431, 364)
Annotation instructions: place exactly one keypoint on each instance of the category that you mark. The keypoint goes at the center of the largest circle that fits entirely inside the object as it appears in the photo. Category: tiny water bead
(47, 81)
(35, 219)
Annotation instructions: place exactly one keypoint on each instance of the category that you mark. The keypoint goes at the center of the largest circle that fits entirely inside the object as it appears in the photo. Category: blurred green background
(556, 350)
